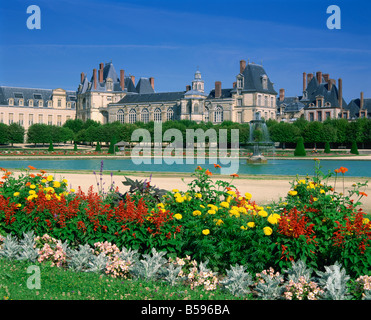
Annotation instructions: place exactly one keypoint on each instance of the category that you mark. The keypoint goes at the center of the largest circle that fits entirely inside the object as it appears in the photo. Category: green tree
(74, 124)
(16, 133)
(51, 148)
(39, 133)
(327, 147)
(354, 148)
(4, 133)
(112, 149)
(284, 132)
(98, 147)
(300, 149)
(313, 132)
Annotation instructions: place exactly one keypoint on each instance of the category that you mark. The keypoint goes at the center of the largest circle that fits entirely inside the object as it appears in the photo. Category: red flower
(31, 167)
(208, 172)
(234, 175)
(217, 166)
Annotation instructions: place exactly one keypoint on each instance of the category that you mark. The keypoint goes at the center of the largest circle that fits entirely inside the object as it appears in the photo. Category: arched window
(218, 115)
(109, 84)
(144, 116)
(195, 108)
(120, 116)
(170, 114)
(157, 117)
(132, 116)
(206, 115)
(266, 101)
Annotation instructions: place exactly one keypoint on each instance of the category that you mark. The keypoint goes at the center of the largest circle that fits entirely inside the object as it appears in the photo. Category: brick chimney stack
(101, 65)
(188, 87)
(340, 90)
(319, 77)
(309, 77)
(326, 77)
(361, 101)
(242, 65)
(100, 75)
(122, 79)
(330, 82)
(82, 77)
(152, 82)
(304, 81)
(95, 78)
(218, 89)
(133, 79)
(282, 94)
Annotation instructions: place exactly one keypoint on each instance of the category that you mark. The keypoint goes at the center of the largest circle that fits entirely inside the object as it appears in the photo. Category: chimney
(304, 81)
(133, 79)
(319, 77)
(242, 65)
(361, 101)
(340, 90)
(188, 87)
(330, 82)
(326, 77)
(282, 94)
(82, 77)
(95, 78)
(122, 79)
(218, 89)
(101, 65)
(100, 75)
(152, 82)
(309, 77)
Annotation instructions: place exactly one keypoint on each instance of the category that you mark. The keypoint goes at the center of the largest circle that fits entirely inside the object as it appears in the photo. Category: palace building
(27, 106)
(108, 97)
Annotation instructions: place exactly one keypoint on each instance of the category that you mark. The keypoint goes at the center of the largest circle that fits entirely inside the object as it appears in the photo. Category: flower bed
(316, 222)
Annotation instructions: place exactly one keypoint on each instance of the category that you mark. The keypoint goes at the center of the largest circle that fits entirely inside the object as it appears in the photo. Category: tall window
(132, 116)
(144, 117)
(195, 108)
(21, 102)
(157, 115)
(40, 103)
(40, 119)
(30, 103)
(11, 118)
(50, 119)
(59, 102)
(120, 116)
(259, 100)
(239, 83)
(11, 102)
(206, 114)
(59, 120)
(272, 102)
(218, 115)
(109, 85)
(21, 119)
(265, 82)
(170, 114)
(266, 101)
(30, 119)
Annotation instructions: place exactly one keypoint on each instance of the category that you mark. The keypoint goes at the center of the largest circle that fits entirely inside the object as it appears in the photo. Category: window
(20, 121)
(40, 103)
(59, 120)
(30, 103)
(272, 102)
(239, 102)
(120, 116)
(195, 108)
(157, 117)
(259, 100)
(109, 85)
(144, 117)
(18, 95)
(50, 119)
(50, 103)
(37, 96)
(239, 83)
(206, 114)
(109, 98)
(132, 116)
(328, 115)
(265, 82)
(170, 114)
(59, 102)
(218, 115)
(41, 120)
(266, 101)
(68, 118)
(69, 105)
(21, 102)
(11, 118)
(311, 116)
(30, 119)
(319, 115)
(11, 101)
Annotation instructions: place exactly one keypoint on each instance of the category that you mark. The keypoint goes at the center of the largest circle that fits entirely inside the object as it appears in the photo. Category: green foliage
(327, 147)
(98, 147)
(51, 148)
(112, 148)
(300, 149)
(354, 148)
(16, 133)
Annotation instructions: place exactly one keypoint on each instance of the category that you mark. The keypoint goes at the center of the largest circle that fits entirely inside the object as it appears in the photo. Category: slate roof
(253, 74)
(354, 107)
(31, 94)
(152, 97)
(226, 93)
(144, 86)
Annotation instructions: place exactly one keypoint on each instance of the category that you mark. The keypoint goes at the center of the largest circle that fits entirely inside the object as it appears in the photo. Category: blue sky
(167, 40)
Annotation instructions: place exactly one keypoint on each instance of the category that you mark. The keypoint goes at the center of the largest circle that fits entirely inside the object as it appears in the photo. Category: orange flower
(31, 167)
(362, 194)
(28, 184)
(234, 175)
(42, 171)
(208, 172)
(198, 168)
(343, 170)
(337, 170)
(217, 166)
(32, 175)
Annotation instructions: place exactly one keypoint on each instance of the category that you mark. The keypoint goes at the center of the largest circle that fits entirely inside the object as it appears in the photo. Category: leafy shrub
(354, 148)
(300, 149)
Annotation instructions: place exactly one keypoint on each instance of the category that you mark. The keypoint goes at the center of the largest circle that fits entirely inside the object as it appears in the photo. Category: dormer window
(11, 101)
(239, 83)
(265, 82)
(40, 103)
(109, 84)
(30, 103)
(21, 102)
(50, 103)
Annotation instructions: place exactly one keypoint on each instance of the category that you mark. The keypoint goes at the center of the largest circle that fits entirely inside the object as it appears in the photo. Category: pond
(357, 168)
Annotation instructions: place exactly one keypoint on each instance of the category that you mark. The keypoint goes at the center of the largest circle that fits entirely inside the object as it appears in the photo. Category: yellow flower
(197, 213)
(242, 210)
(243, 228)
(234, 212)
(263, 213)
(248, 196)
(175, 190)
(179, 199)
(32, 192)
(48, 196)
(201, 206)
(267, 231)
(72, 190)
(176, 195)
(64, 181)
(43, 180)
(49, 178)
(211, 211)
(32, 186)
(18, 205)
(322, 191)
(219, 222)
(224, 204)
(16, 194)
(198, 195)
(205, 232)
(293, 193)
(56, 184)
(160, 205)
(315, 199)
(365, 220)
(302, 181)
(178, 216)
(251, 224)
(273, 218)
